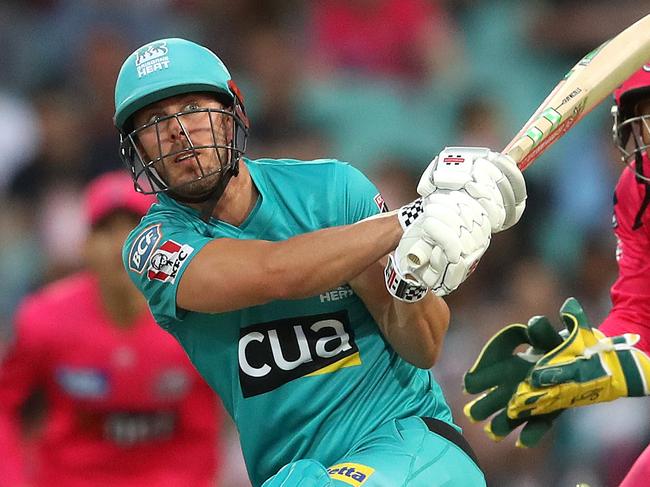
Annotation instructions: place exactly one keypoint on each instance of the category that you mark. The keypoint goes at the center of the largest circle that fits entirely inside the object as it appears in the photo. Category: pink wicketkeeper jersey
(124, 406)
(631, 291)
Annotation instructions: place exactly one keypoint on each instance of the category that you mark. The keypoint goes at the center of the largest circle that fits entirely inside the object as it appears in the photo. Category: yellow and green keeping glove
(498, 371)
(576, 367)
(587, 368)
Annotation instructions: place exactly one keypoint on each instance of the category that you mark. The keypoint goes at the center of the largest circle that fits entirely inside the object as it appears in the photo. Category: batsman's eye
(192, 107)
(153, 118)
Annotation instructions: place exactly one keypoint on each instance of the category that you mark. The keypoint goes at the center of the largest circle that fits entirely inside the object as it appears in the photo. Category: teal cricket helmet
(165, 68)
(162, 69)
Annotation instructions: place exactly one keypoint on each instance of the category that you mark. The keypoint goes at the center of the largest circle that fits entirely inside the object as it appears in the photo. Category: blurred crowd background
(382, 84)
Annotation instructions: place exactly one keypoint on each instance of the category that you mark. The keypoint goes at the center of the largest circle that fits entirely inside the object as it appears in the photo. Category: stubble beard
(202, 185)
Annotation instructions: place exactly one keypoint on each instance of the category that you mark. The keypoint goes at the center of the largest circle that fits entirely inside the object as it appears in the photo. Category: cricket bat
(587, 84)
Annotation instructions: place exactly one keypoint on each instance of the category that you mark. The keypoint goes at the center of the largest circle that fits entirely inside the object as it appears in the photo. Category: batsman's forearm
(321, 260)
(229, 274)
(417, 330)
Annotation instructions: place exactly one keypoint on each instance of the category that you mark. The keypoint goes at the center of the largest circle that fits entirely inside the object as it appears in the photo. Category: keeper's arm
(630, 294)
(415, 330)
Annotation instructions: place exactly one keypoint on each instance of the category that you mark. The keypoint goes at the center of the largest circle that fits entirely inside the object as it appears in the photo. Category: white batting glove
(441, 248)
(400, 286)
(491, 178)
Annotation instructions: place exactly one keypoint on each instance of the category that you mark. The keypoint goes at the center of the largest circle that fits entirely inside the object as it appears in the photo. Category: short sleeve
(362, 197)
(155, 256)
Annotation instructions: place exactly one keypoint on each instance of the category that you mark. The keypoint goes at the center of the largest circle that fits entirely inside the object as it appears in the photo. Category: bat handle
(419, 254)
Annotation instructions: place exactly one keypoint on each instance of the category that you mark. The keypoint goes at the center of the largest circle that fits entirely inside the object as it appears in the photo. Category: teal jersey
(304, 378)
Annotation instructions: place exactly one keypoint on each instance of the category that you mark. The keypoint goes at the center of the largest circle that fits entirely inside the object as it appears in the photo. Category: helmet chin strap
(210, 198)
(215, 194)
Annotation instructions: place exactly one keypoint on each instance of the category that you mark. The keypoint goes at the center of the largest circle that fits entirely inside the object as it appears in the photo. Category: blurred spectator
(124, 405)
(480, 122)
(403, 39)
(19, 136)
(395, 180)
(384, 85)
(97, 66)
(548, 28)
(279, 128)
(61, 149)
(48, 186)
(223, 24)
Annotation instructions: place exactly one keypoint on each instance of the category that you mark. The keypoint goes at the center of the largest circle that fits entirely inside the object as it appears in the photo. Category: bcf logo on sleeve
(167, 260)
(142, 248)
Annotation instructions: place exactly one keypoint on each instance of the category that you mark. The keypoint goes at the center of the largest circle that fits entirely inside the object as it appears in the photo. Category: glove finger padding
(488, 369)
(443, 245)
(491, 178)
(586, 368)
(535, 427)
(499, 370)
(513, 188)
(487, 404)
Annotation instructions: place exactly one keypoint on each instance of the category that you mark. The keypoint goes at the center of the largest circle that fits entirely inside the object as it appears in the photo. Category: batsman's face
(186, 139)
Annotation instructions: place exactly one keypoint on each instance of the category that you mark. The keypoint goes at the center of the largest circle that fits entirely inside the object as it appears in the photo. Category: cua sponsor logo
(274, 353)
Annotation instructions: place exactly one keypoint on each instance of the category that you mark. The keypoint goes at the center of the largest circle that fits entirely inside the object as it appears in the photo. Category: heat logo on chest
(274, 353)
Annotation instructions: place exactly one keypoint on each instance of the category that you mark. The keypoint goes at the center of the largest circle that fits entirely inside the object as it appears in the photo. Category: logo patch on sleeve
(351, 473)
(142, 248)
(381, 204)
(167, 260)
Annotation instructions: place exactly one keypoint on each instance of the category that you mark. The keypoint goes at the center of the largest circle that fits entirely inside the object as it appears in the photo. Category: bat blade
(588, 83)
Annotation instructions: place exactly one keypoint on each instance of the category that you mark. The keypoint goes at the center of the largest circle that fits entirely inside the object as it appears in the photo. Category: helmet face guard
(630, 140)
(631, 131)
(213, 159)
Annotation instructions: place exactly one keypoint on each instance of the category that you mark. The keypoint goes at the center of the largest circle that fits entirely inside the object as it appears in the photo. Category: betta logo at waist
(351, 473)
(274, 353)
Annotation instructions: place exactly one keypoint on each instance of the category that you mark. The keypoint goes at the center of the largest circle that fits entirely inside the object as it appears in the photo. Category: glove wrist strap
(399, 286)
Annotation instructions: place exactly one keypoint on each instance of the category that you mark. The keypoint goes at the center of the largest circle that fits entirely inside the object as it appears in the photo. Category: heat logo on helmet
(152, 57)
